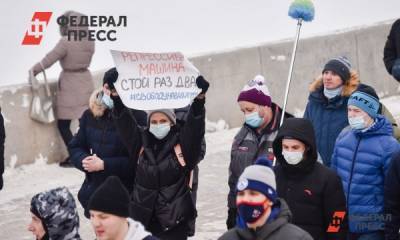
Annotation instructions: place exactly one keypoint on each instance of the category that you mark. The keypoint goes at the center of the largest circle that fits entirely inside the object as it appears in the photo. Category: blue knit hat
(366, 99)
(259, 177)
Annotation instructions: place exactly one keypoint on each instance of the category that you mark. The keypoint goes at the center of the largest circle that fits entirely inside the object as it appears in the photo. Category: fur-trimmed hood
(95, 105)
(348, 88)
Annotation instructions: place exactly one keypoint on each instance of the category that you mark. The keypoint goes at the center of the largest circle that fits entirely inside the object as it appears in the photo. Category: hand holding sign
(149, 81)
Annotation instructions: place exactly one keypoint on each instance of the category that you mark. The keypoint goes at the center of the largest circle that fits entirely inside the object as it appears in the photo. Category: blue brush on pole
(301, 10)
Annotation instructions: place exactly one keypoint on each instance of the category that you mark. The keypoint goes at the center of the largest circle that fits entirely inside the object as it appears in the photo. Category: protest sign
(149, 81)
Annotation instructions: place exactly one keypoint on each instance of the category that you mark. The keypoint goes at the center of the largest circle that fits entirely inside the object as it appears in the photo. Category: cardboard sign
(149, 81)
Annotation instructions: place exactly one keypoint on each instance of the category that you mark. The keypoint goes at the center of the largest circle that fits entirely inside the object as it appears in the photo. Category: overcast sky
(190, 26)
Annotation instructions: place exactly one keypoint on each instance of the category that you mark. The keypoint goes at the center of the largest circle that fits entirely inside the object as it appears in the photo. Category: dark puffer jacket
(392, 200)
(328, 117)
(278, 229)
(391, 52)
(248, 145)
(97, 135)
(161, 198)
(313, 192)
(56, 209)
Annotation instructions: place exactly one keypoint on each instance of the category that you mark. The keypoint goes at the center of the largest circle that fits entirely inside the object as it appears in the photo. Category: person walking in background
(361, 158)
(97, 149)
(109, 213)
(327, 104)
(313, 191)
(391, 52)
(2, 141)
(255, 138)
(392, 200)
(75, 83)
(54, 215)
(265, 215)
(164, 156)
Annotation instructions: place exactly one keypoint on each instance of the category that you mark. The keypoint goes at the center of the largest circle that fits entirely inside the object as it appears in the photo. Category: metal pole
(291, 69)
(299, 22)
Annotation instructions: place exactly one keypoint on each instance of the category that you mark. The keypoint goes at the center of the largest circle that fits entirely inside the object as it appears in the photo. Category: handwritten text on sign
(149, 81)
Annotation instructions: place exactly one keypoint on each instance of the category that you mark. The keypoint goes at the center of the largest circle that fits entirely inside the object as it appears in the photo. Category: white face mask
(160, 130)
(292, 158)
(331, 93)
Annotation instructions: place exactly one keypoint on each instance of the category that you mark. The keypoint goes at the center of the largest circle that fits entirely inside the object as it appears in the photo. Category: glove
(202, 83)
(110, 77)
(231, 221)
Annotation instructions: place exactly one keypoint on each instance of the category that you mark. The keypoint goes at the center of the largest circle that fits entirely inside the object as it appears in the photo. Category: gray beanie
(259, 177)
(169, 112)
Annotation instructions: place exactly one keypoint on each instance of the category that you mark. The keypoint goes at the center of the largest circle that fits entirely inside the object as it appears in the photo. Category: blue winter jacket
(328, 117)
(362, 159)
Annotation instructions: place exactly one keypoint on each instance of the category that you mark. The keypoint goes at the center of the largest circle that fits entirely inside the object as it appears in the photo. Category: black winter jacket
(161, 196)
(392, 200)
(392, 47)
(313, 192)
(2, 140)
(99, 136)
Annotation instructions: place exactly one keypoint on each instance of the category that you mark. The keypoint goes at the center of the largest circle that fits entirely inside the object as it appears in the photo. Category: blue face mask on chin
(160, 131)
(253, 119)
(107, 101)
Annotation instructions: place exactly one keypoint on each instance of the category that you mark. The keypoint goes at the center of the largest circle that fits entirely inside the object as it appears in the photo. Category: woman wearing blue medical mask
(261, 122)
(313, 191)
(164, 153)
(97, 149)
(261, 214)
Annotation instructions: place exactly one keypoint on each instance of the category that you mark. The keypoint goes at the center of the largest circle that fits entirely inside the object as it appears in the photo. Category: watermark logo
(34, 34)
(337, 220)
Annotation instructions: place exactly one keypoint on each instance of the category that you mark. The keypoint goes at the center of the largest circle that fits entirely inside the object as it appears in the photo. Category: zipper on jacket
(352, 169)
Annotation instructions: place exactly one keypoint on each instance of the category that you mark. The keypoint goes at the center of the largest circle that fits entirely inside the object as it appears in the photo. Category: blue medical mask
(357, 123)
(253, 119)
(160, 130)
(251, 212)
(107, 101)
(331, 93)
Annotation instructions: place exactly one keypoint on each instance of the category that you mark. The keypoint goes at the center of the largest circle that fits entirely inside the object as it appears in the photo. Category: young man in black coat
(392, 200)
(313, 192)
(391, 52)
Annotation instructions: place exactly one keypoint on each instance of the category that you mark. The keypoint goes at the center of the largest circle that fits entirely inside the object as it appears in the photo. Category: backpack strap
(182, 162)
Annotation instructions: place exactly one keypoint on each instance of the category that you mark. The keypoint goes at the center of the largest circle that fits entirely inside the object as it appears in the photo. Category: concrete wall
(228, 72)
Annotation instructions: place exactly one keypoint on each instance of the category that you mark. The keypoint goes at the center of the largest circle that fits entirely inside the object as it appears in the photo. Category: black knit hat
(110, 197)
(110, 77)
(341, 66)
(368, 90)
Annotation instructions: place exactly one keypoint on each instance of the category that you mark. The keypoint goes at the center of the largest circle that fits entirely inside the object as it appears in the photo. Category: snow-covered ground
(23, 182)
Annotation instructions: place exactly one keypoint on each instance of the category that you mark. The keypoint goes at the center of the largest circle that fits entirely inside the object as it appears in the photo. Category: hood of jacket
(136, 231)
(56, 209)
(300, 129)
(95, 105)
(348, 88)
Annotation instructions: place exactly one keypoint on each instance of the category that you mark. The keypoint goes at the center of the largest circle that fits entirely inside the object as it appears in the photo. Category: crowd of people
(294, 181)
